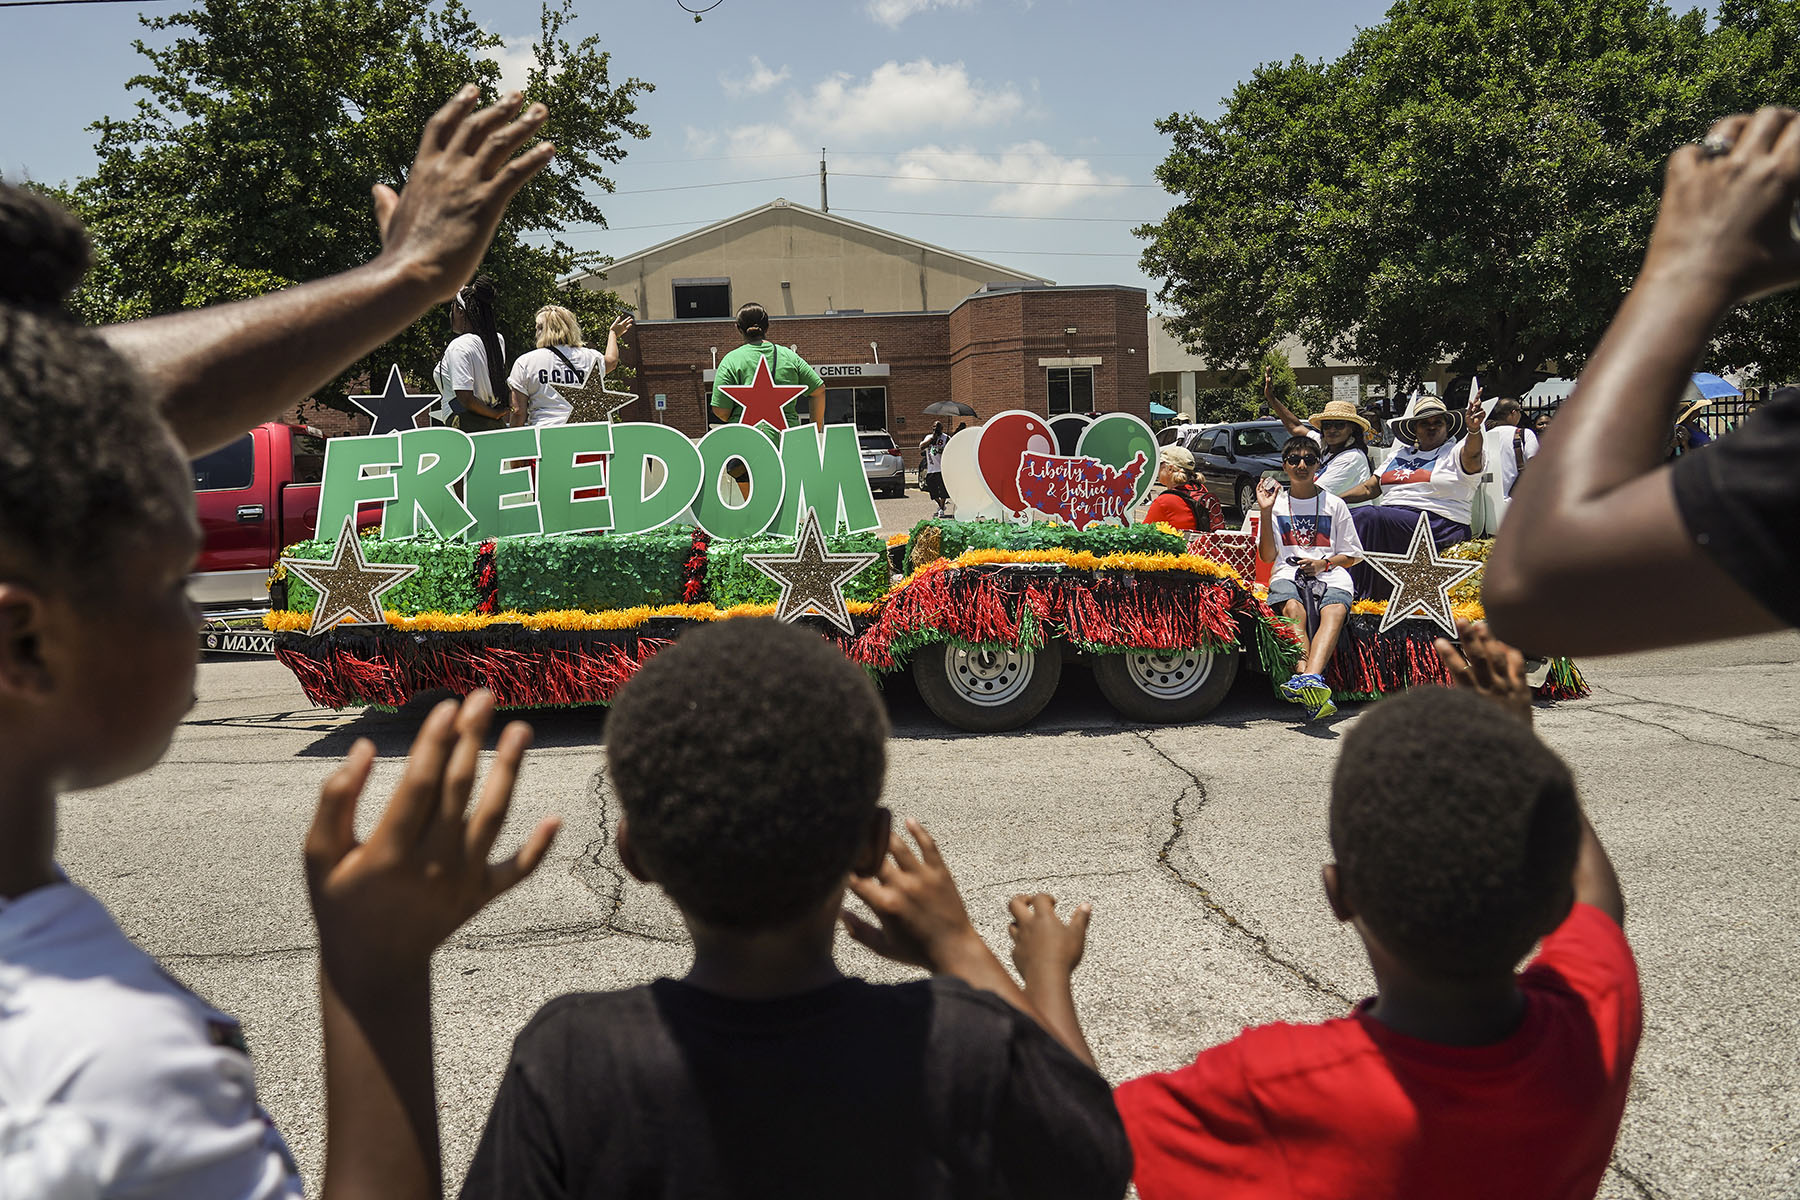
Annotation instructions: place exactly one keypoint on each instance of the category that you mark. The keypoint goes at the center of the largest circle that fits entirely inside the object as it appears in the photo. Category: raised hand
(922, 918)
(1728, 215)
(439, 226)
(1488, 667)
(1267, 492)
(382, 906)
(1044, 946)
(622, 326)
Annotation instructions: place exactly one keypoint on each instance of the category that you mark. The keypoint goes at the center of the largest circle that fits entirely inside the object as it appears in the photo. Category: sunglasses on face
(1433, 423)
(1333, 426)
(1301, 460)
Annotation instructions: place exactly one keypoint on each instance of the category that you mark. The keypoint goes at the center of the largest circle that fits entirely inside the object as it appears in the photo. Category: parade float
(548, 564)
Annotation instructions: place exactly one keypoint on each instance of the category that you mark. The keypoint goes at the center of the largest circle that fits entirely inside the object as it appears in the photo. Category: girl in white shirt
(559, 359)
(471, 377)
(1339, 431)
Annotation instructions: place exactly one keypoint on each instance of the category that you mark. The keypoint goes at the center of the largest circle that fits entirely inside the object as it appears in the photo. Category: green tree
(1474, 181)
(261, 128)
(1754, 63)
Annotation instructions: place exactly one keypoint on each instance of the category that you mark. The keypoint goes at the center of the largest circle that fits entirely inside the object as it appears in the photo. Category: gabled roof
(781, 204)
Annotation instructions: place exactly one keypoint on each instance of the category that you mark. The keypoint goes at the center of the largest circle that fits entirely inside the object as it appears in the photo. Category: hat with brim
(1404, 425)
(1339, 410)
(1178, 457)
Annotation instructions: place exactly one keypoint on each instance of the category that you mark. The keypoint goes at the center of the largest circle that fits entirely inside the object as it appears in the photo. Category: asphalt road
(1199, 847)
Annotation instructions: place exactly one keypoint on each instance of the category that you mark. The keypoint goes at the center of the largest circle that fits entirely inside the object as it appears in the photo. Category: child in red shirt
(1459, 1078)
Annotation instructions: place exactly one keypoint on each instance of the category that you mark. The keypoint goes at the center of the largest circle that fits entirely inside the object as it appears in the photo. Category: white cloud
(905, 98)
(699, 141)
(892, 12)
(762, 141)
(1039, 182)
(759, 80)
(514, 56)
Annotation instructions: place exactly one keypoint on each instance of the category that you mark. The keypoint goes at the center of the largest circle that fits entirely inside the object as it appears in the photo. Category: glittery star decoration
(1422, 580)
(349, 586)
(592, 403)
(763, 399)
(395, 409)
(812, 579)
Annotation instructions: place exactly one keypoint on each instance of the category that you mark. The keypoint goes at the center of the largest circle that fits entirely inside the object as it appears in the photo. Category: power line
(45, 3)
(1001, 182)
(1057, 253)
(808, 154)
(688, 187)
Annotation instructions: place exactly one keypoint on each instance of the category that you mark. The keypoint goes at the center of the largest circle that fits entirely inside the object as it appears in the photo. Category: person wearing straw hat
(1340, 432)
(1432, 474)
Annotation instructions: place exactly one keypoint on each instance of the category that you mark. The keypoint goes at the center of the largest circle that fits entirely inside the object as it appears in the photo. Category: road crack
(1214, 907)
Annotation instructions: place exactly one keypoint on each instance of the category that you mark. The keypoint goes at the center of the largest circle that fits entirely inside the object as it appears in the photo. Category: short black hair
(87, 467)
(1456, 852)
(1505, 408)
(749, 758)
(753, 321)
(44, 251)
(1298, 442)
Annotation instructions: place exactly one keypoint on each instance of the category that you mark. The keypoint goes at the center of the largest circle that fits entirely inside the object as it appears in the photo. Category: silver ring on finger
(1715, 145)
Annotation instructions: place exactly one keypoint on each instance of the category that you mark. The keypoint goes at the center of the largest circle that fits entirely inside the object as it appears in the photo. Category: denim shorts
(1283, 590)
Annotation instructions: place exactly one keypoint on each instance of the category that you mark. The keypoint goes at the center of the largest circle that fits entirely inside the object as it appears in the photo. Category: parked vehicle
(255, 496)
(1233, 458)
(882, 462)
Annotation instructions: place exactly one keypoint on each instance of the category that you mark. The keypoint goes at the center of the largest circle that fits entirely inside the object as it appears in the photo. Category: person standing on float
(745, 367)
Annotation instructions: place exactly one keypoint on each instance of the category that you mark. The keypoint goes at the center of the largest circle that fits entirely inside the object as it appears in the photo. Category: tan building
(795, 261)
(1181, 373)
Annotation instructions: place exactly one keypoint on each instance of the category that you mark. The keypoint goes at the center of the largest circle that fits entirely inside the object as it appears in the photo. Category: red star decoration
(763, 398)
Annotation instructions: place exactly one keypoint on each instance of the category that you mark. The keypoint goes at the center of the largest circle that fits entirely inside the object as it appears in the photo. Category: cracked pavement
(1199, 847)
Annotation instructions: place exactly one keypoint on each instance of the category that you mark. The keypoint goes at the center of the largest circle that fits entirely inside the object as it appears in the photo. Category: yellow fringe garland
(631, 618)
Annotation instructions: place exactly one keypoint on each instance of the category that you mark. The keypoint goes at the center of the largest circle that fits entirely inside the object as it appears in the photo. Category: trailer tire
(986, 691)
(1166, 687)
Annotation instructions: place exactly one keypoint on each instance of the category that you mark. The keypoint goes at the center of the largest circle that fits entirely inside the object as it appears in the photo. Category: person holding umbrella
(932, 465)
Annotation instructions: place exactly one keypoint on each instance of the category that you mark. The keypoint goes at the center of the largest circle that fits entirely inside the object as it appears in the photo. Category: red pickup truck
(255, 496)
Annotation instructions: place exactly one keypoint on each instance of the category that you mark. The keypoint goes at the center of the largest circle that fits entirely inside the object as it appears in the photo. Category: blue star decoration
(395, 409)
(1422, 580)
(350, 587)
(812, 579)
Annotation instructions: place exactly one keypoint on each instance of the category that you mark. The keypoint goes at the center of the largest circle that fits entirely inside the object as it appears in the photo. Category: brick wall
(984, 353)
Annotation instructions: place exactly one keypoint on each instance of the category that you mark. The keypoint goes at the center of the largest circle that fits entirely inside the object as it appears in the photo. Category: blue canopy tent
(1707, 404)
(1160, 412)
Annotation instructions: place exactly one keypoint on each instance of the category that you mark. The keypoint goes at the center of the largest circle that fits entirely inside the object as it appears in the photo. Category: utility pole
(824, 204)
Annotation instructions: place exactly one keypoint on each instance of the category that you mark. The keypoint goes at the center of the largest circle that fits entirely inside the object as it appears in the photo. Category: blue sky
(1052, 101)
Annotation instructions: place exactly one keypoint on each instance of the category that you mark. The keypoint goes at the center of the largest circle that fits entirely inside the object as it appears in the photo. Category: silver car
(882, 463)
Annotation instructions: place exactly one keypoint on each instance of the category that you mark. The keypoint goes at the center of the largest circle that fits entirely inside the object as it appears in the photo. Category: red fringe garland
(388, 670)
(979, 605)
(693, 571)
(487, 579)
(1012, 606)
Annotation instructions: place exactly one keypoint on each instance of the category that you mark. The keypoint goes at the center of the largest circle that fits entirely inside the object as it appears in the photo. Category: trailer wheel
(983, 690)
(1166, 687)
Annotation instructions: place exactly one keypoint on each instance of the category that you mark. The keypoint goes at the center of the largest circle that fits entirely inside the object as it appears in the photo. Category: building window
(698, 298)
(1071, 390)
(864, 407)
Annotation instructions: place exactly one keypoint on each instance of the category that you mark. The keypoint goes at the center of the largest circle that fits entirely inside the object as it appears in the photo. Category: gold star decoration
(1422, 580)
(812, 579)
(349, 586)
(592, 403)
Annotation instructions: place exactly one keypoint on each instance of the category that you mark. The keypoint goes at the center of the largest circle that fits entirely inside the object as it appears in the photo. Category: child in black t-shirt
(749, 759)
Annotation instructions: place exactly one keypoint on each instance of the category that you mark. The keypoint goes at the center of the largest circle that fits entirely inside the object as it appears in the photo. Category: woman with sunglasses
(1432, 475)
(1340, 432)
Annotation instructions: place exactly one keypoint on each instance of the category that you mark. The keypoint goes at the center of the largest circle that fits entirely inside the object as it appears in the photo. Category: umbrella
(1702, 391)
(1158, 410)
(948, 408)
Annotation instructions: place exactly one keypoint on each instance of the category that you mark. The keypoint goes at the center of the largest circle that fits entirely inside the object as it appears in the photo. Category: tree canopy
(1474, 181)
(262, 126)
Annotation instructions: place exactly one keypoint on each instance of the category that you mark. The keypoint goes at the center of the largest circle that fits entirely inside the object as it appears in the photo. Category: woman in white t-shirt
(471, 377)
(1340, 432)
(1431, 475)
(560, 358)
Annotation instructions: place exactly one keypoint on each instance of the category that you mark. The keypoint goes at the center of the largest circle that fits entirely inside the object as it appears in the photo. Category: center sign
(591, 478)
